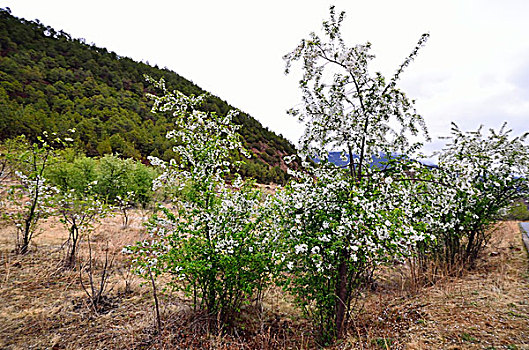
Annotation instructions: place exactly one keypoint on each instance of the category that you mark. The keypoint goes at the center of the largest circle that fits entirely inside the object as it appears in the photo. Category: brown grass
(484, 308)
(44, 307)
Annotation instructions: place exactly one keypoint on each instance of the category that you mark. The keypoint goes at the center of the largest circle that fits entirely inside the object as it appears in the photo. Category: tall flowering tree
(340, 223)
(345, 107)
(214, 245)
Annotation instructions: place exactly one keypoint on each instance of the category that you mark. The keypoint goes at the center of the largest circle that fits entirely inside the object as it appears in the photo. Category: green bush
(517, 211)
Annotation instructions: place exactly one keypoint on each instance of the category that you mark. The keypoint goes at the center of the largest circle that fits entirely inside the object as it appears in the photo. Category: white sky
(474, 69)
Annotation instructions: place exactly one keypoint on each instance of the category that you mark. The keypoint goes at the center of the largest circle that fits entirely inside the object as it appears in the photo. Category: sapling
(29, 197)
(77, 204)
(78, 212)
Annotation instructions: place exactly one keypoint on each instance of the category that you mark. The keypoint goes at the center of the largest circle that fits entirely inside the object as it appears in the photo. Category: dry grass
(43, 303)
(44, 307)
(487, 308)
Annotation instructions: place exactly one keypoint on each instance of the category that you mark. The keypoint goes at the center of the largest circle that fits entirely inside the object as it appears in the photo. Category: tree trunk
(74, 235)
(341, 295)
(25, 244)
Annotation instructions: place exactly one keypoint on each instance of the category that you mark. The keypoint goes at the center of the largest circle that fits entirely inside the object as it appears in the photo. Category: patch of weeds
(420, 321)
(383, 343)
(514, 314)
(468, 338)
(512, 347)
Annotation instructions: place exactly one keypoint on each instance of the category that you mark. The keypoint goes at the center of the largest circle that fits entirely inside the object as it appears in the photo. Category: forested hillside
(52, 82)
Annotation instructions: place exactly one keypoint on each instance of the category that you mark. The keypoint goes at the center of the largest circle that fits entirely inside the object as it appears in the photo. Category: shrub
(478, 177)
(215, 246)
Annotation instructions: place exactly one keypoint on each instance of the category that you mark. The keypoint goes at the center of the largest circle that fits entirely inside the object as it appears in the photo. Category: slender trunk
(156, 306)
(74, 236)
(125, 218)
(25, 243)
(29, 220)
(104, 275)
(28, 223)
(352, 169)
(470, 246)
(341, 295)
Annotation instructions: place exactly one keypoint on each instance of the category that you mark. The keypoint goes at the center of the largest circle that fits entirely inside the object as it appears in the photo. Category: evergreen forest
(52, 82)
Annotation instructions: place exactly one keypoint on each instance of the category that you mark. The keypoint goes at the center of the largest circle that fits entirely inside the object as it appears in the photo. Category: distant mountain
(379, 162)
(336, 159)
(51, 81)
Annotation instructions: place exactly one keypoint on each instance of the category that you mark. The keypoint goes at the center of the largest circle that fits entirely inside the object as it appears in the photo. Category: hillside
(51, 81)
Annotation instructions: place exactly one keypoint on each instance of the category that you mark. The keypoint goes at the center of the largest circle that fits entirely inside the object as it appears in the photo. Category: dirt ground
(45, 307)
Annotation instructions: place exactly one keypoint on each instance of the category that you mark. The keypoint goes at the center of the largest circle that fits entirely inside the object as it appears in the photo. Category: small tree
(341, 223)
(79, 212)
(77, 204)
(215, 246)
(29, 197)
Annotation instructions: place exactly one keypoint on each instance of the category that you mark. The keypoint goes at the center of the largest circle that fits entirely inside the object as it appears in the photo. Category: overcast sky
(474, 69)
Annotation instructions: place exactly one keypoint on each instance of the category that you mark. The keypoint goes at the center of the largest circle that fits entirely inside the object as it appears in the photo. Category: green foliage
(85, 189)
(517, 211)
(218, 254)
(49, 81)
(382, 343)
(110, 178)
(119, 178)
(113, 181)
(78, 174)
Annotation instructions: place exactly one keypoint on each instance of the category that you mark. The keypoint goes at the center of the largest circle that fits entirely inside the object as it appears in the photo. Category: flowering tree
(336, 233)
(347, 109)
(341, 223)
(478, 176)
(214, 246)
(29, 197)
